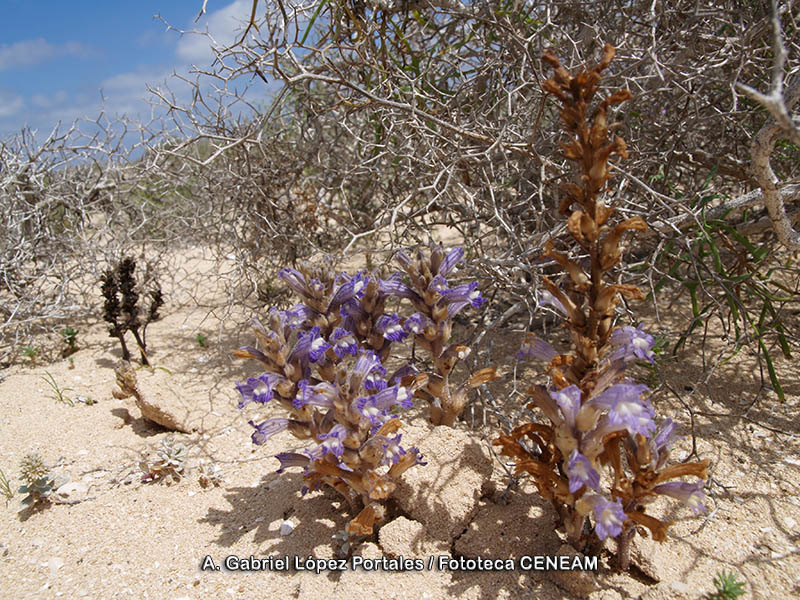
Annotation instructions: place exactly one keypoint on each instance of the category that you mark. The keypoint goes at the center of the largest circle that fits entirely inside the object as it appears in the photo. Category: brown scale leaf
(698, 469)
(610, 251)
(363, 523)
(579, 278)
(656, 527)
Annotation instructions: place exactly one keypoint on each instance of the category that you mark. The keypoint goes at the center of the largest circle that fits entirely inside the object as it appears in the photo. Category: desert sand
(115, 536)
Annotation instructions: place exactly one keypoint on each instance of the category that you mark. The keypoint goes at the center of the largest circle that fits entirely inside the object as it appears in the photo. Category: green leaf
(773, 376)
(311, 21)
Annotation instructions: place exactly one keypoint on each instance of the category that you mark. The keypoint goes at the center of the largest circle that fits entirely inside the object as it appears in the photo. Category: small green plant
(727, 587)
(39, 481)
(210, 475)
(5, 487)
(69, 334)
(59, 394)
(170, 460)
(201, 339)
(31, 352)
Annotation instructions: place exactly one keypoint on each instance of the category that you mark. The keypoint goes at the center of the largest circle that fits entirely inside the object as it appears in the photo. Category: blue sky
(56, 56)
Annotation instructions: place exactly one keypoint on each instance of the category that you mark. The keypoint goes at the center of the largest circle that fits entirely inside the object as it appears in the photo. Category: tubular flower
(367, 364)
(291, 459)
(297, 316)
(267, 429)
(312, 395)
(332, 441)
(344, 342)
(633, 343)
(569, 401)
(347, 291)
(257, 389)
(370, 410)
(392, 451)
(581, 473)
(295, 280)
(468, 293)
(547, 299)
(389, 327)
(608, 516)
(455, 256)
(310, 346)
(626, 408)
(533, 347)
(691, 494)
(417, 323)
(394, 286)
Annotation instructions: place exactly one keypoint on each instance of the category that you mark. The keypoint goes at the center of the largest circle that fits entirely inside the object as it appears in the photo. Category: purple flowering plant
(436, 303)
(323, 362)
(601, 457)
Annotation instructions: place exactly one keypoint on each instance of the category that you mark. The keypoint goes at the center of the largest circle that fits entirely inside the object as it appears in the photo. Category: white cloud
(10, 104)
(27, 53)
(223, 26)
(49, 100)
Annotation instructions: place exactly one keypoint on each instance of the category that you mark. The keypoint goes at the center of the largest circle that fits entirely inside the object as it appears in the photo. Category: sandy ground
(121, 538)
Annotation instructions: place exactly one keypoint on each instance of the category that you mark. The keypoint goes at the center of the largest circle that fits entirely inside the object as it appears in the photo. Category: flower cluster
(436, 304)
(324, 365)
(602, 457)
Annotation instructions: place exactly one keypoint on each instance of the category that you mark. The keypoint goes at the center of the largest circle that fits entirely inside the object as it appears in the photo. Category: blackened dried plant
(125, 315)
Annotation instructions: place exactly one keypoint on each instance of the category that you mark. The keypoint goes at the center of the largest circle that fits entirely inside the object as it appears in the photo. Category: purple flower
(257, 389)
(456, 307)
(394, 286)
(662, 441)
(267, 429)
(633, 344)
(569, 401)
(297, 316)
(403, 258)
(548, 299)
(307, 394)
(533, 347)
(351, 309)
(690, 494)
(455, 256)
(403, 372)
(375, 381)
(437, 284)
(395, 395)
(418, 456)
(581, 473)
(626, 408)
(347, 291)
(468, 292)
(295, 280)
(344, 342)
(332, 441)
(371, 411)
(366, 364)
(291, 459)
(608, 516)
(417, 323)
(389, 326)
(392, 450)
(310, 346)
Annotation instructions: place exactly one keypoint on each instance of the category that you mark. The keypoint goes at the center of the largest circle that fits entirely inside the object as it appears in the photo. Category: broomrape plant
(602, 457)
(326, 365)
(334, 389)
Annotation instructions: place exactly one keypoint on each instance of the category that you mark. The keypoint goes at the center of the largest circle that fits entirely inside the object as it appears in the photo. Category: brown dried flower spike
(587, 213)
